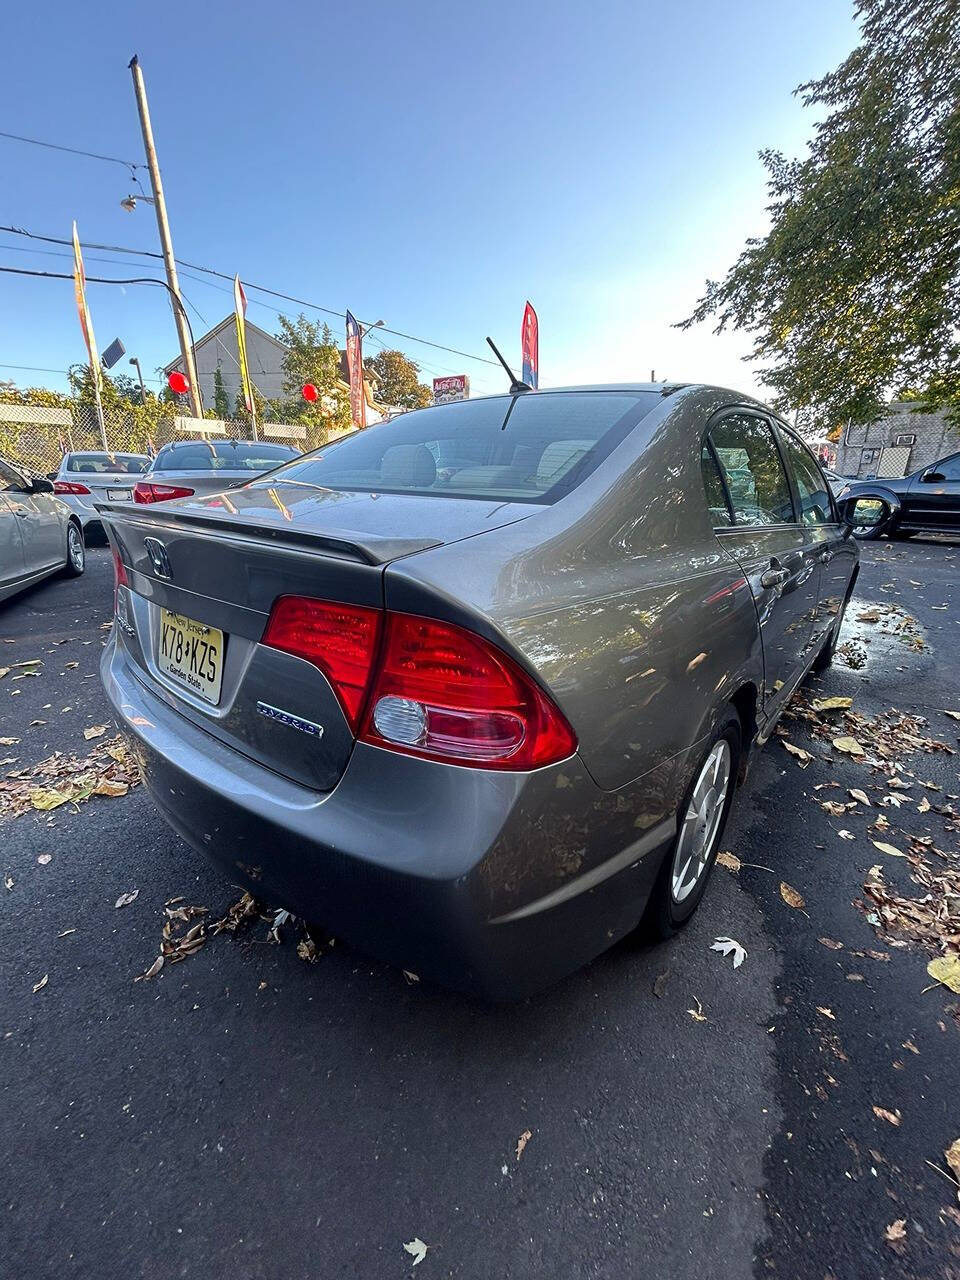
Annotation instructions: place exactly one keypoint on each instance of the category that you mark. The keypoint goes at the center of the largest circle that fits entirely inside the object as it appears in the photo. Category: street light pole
(143, 390)
(166, 245)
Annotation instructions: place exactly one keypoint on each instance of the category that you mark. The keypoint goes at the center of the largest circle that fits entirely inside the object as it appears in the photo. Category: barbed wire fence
(36, 437)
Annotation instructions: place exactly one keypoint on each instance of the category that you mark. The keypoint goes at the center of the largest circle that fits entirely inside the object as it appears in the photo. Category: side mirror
(933, 476)
(40, 484)
(865, 517)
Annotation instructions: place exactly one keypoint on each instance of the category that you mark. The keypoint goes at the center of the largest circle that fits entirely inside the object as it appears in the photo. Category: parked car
(39, 534)
(191, 467)
(927, 501)
(838, 484)
(85, 478)
(481, 720)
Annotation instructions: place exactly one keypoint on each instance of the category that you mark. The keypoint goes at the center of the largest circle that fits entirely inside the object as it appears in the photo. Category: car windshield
(222, 455)
(526, 448)
(91, 464)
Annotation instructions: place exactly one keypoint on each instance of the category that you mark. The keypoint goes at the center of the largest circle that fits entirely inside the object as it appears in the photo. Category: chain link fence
(35, 437)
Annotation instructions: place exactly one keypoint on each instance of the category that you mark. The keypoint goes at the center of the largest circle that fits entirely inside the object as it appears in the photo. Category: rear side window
(752, 467)
(208, 455)
(812, 488)
(713, 487)
(949, 468)
(527, 448)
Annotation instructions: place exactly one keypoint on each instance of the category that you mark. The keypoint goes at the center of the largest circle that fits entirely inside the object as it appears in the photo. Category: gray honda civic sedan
(473, 688)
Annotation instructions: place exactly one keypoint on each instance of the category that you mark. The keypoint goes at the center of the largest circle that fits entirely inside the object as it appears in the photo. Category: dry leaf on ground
(850, 746)
(889, 849)
(892, 1117)
(803, 757)
(827, 1013)
(697, 1014)
(896, 1231)
(831, 943)
(95, 731)
(522, 1142)
(860, 796)
(946, 969)
(791, 897)
(126, 898)
(38, 986)
(729, 860)
(952, 1157)
(831, 704)
(730, 946)
(417, 1250)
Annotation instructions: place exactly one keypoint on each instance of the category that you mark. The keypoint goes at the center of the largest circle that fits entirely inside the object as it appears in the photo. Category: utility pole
(166, 245)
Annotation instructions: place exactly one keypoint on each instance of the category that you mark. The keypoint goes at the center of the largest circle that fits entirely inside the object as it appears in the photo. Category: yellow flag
(83, 311)
(240, 308)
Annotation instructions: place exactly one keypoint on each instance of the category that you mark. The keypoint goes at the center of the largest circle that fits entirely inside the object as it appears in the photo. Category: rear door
(933, 499)
(41, 531)
(11, 548)
(778, 556)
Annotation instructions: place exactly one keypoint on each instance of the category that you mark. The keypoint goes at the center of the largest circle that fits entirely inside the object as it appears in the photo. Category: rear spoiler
(366, 548)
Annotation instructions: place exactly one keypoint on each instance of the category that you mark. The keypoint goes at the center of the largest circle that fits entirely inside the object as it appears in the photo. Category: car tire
(682, 880)
(76, 552)
(870, 532)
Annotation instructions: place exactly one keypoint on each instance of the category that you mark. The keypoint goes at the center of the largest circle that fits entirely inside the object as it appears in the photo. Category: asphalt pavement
(247, 1113)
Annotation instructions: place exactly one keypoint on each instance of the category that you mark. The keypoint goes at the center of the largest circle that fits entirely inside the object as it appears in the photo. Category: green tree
(312, 355)
(221, 403)
(398, 380)
(854, 293)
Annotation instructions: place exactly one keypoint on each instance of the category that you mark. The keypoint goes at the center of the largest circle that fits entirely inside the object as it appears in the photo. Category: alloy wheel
(701, 822)
(75, 548)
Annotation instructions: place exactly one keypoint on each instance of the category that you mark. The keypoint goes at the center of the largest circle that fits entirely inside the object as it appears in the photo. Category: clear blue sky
(429, 163)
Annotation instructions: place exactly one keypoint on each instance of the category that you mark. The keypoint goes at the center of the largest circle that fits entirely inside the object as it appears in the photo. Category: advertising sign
(456, 387)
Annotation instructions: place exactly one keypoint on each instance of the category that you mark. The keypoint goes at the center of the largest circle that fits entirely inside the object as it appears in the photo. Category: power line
(74, 151)
(274, 293)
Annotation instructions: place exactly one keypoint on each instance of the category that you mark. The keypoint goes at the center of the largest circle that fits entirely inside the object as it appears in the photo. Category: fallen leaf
(924, 805)
(154, 968)
(729, 860)
(107, 787)
(95, 731)
(827, 1013)
(896, 1231)
(954, 715)
(307, 950)
(697, 1014)
(834, 807)
(38, 986)
(791, 897)
(946, 969)
(952, 1156)
(831, 943)
(846, 835)
(410, 978)
(831, 704)
(44, 858)
(9, 742)
(860, 796)
(889, 849)
(8, 882)
(849, 745)
(729, 946)
(126, 898)
(66, 933)
(522, 1142)
(695, 662)
(803, 757)
(892, 1117)
(417, 1250)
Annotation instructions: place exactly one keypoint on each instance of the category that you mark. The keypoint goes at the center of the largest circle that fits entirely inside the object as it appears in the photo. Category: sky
(429, 164)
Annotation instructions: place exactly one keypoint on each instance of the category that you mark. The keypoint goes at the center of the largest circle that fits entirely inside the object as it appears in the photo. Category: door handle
(24, 515)
(824, 557)
(774, 577)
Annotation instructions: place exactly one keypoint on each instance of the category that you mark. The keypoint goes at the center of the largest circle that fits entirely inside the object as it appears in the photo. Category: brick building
(901, 442)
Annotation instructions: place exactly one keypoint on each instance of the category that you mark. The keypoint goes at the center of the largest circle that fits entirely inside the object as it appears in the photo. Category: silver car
(481, 718)
(39, 534)
(83, 479)
(190, 467)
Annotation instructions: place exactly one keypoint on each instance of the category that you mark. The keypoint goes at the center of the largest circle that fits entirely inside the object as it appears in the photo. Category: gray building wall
(219, 347)
(858, 450)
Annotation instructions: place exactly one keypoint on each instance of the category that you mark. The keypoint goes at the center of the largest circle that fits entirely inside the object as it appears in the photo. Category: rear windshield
(225, 455)
(526, 448)
(91, 464)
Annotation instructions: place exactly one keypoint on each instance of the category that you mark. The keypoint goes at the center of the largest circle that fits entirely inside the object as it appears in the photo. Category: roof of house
(215, 331)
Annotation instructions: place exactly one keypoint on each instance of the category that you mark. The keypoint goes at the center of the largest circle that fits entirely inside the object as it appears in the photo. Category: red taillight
(446, 693)
(119, 577)
(340, 639)
(430, 689)
(69, 486)
(144, 492)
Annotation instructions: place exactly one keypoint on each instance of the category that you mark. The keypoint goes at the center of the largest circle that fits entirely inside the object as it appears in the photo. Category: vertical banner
(530, 347)
(86, 324)
(358, 406)
(240, 310)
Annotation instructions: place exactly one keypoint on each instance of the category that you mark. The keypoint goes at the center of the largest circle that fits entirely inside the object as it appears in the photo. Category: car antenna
(515, 384)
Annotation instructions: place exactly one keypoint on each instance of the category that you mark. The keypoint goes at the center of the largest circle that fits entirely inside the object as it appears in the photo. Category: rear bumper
(498, 884)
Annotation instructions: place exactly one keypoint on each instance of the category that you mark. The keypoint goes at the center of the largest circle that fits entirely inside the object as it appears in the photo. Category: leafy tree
(398, 380)
(221, 403)
(854, 293)
(312, 355)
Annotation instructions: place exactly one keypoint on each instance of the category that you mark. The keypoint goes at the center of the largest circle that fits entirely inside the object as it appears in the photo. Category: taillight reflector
(119, 576)
(144, 492)
(340, 639)
(69, 486)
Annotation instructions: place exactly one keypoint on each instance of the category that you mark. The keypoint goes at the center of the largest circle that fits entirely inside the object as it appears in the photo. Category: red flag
(358, 403)
(530, 346)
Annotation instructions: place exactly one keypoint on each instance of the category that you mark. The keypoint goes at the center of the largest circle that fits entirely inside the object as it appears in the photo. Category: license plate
(191, 653)
(119, 495)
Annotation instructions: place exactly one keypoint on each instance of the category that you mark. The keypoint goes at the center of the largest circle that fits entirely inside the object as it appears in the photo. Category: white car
(39, 534)
(86, 478)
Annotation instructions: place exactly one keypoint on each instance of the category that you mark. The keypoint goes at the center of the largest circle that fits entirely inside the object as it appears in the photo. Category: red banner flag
(358, 403)
(530, 347)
